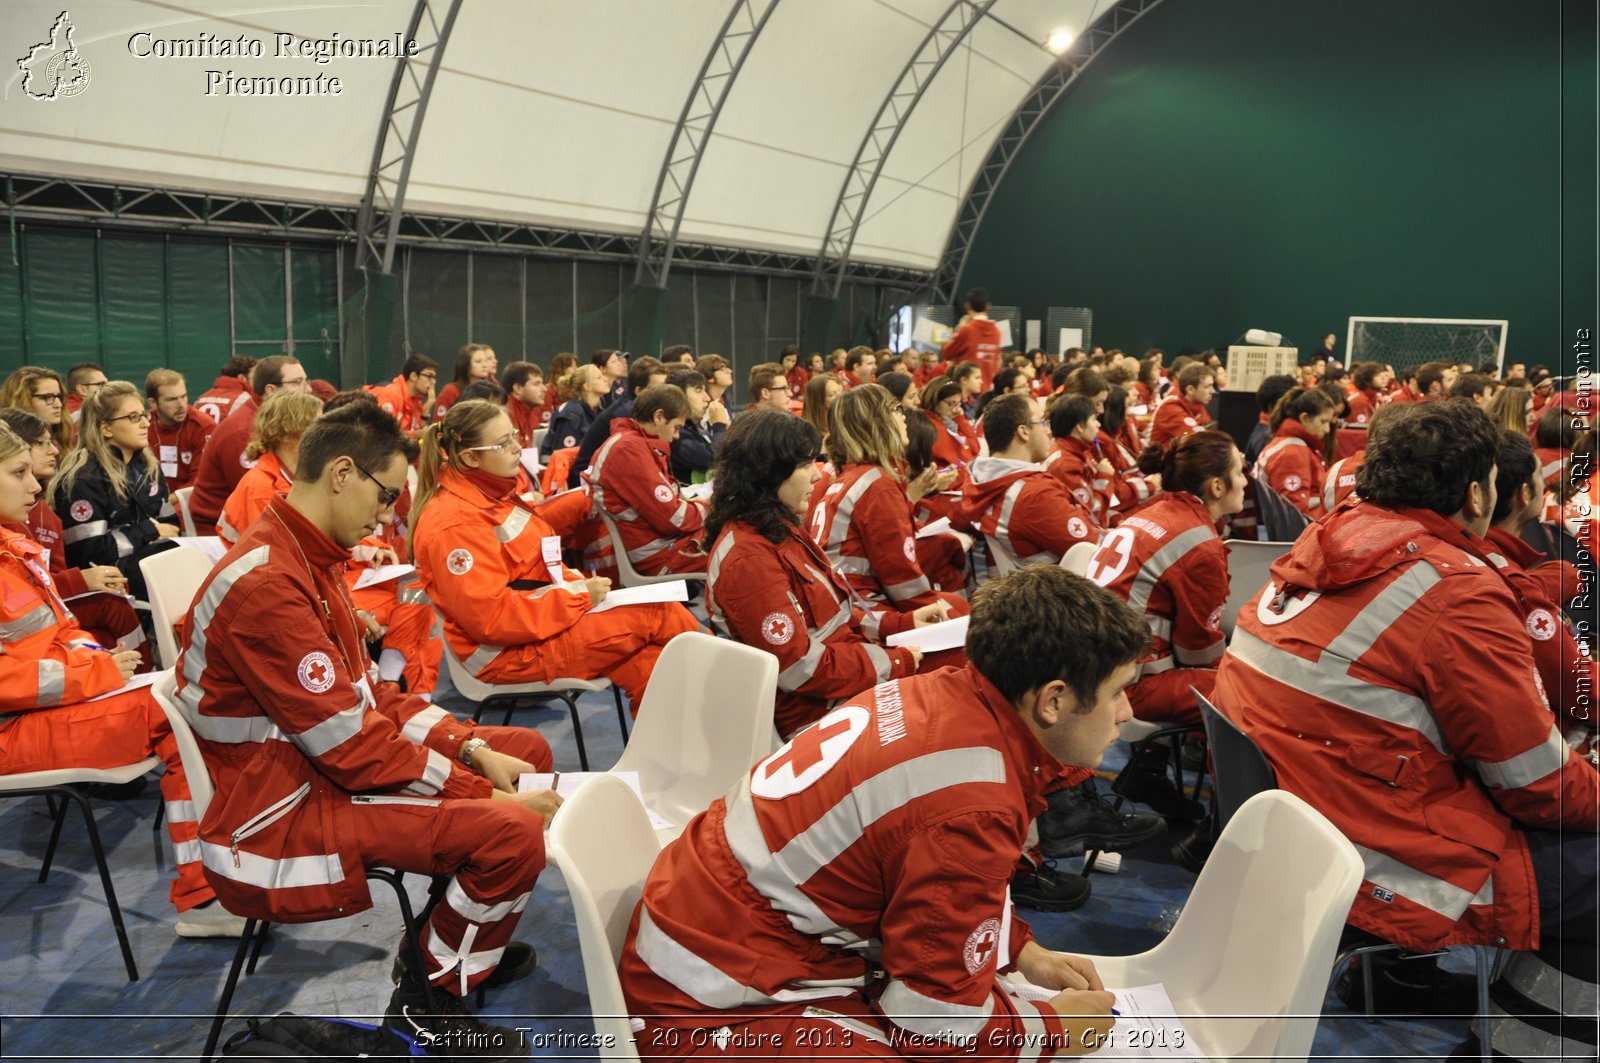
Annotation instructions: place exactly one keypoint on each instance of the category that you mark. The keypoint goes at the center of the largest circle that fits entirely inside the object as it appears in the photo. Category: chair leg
(161, 815)
(577, 727)
(1366, 984)
(413, 928)
(105, 880)
(228, 986)
(255, 950)
(58, 813)
(622, 714)
(1481, 956)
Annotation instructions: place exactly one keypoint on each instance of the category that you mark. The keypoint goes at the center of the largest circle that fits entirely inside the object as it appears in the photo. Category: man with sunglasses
(318, 776)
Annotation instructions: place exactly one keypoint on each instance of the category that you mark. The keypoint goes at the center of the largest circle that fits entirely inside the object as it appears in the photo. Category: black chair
(1239, 770)
(1283, 520)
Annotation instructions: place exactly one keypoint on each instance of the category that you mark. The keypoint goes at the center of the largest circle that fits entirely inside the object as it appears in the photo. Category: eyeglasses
(138, 416)
(1045, 423)
(388, 496)
(54, 396)
(510, 444)
(95, 384)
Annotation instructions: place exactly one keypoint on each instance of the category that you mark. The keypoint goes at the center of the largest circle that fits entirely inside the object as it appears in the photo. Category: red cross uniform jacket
(1386, 673)
(1167, 561)
(397, 401)
(976, 341)
(526, 419)
(1129, 487)
(1560, 580)
(269, 477)
(469, 550)
(274, 679)
(179, 447)
(44, 659)
(1340, 483)
(45, 529)
(225, 393)
(1027, 510)
(660, 529)
(955, 443)
(786, 599)
(862, 521)
(1076, 464)
(103, 528)
(1363, 404)
(1292, 466)
(222, 466)
(1175, 418)
(872, 856)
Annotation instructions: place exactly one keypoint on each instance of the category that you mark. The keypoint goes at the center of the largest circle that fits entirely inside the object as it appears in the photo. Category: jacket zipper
(393, 799)
(267, 817)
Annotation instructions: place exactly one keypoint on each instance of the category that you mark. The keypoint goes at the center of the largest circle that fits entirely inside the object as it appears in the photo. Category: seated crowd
(847, 503)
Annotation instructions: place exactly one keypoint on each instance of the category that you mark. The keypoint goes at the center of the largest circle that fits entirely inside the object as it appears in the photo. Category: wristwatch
(469, 747)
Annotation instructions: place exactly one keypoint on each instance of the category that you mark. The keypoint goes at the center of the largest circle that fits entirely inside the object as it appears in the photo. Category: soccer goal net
(1402, 341)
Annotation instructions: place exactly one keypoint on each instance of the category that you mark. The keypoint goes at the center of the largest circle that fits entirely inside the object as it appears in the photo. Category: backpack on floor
(301, 1036)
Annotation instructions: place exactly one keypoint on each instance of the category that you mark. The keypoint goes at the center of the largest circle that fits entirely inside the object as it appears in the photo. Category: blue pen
(92, 646)
(1117, 1013)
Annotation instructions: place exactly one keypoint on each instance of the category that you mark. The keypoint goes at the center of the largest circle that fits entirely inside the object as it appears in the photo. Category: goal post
(1402, 341)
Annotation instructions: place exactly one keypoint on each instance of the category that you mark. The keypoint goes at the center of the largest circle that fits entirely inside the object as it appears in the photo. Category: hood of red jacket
(1360, 542)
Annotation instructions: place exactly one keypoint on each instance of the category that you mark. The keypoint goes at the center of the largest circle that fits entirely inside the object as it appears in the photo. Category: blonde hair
(10, 442)
(98, 409)
(1509, 410)
(862, 430)
(442, 442)
(18, 391)
(285, 415)
(575, 382)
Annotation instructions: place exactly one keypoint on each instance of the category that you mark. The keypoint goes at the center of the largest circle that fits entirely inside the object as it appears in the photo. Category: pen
(555, 780)
(1117, 1013)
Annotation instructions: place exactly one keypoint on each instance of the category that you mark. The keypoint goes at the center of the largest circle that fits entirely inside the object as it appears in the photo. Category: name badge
(550, 550)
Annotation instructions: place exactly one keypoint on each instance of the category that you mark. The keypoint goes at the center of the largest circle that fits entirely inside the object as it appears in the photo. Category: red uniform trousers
(120, 729)
(944, 561)
(408, 633)
(483, 845)
(1166, 698)
(621, 644)
(111, 620)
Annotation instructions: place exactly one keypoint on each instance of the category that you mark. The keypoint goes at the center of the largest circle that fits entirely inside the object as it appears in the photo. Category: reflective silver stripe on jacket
(124, 544)
(1150, 573)
(80, 532)
(39, 618)
(800, 672)
(776, 876)
(267, 873)
(1421, 888)
(508, 529)
(1526, 767)
(52, 682)
(702, 981)
(223, 729)
(939, 1020)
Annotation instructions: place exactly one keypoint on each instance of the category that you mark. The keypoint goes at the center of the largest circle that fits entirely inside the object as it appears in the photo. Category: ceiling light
(1059, 40)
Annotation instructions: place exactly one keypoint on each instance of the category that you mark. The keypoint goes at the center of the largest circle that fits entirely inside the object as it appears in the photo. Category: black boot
(1047, 890)
(1146, 781)
(1082, 818)
(445, 1026)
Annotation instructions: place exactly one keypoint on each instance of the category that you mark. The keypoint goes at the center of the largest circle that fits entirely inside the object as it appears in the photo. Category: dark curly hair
(1426, 454)
(1040, 623)
(760, 450)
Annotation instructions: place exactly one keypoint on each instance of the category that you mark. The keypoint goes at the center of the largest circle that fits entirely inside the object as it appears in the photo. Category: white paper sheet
(210, 545)
(383, 574)
(694, 491)
(1033, 329)
(1070, 337)
(946, 635)
(530, 462)
(675, 591)
(934, 527)
(145, 680)
(1147, 1027)
(566, 783)
(1005, 333)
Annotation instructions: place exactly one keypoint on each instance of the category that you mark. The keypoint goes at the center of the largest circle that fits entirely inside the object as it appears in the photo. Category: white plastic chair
(710, 719)
(180, 502)
(564, 690)
(1003, 561)
(172, 578)
(1247, 964)
(602, 840)
(538, 437)
(1076, 559)
(627, 575)
(64, 785)
(1249, 568)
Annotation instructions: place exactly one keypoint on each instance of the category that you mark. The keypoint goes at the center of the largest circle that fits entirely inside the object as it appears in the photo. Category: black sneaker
(448, 1028)
(517, 961)
(1146, 781)
(1048, 890)
(1416, 986)
(1082, 818)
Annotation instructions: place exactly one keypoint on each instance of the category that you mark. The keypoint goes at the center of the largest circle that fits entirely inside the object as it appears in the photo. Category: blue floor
(66, 995)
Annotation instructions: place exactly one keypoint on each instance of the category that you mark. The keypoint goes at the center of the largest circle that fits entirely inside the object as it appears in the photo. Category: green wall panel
(11, 345)
(497, 305)
(259, 314)
(197, 294)
(134, 304)
(314, 280)
(1229, 164)
(62, 295)
(436, 305)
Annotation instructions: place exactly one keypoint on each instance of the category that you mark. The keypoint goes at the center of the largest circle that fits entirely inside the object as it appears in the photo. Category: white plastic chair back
(180, 501)
(194, 765)
(602, 840)
(708, 718)
(1249, 568)
(1247, 964)
(538, 436)
(172, 577)
(1003, 561)
(627, 576)
(1076, 559)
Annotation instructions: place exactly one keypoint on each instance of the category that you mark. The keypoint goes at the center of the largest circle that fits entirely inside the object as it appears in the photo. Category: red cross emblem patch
(315, 671)
(982, 945)
(807, 756)
(1541, 625)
